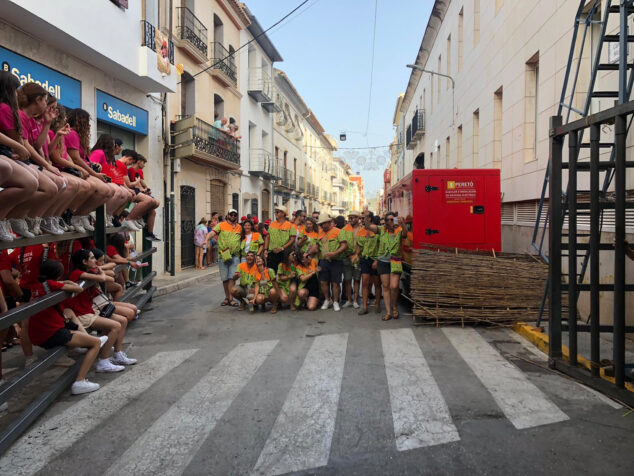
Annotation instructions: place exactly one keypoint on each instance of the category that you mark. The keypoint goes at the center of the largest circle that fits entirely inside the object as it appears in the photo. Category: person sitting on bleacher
(126, 309)
(117, 252)
(102, 154)
(146, 204)
(50, 328)
(113, 325)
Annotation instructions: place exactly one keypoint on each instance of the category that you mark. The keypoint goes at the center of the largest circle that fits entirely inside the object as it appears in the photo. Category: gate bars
(573, 250)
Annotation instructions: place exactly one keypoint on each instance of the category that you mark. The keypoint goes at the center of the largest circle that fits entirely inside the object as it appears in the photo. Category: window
(447, 153)
(531, 95)
(459, 152)
(235, 202)
(254, 207)
(460, 33)
(219, 107)
(497, 128)
(476, 138)
(439, 70)
(476, 22)
(448, 60)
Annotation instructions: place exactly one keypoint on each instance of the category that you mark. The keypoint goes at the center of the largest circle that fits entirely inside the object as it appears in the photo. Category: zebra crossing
(302, 433)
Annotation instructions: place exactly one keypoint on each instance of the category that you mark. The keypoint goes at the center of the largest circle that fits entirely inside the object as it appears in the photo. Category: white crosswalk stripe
(420, 413)
(522, 402)
(302, 434)
(172, 441)
(44, 442)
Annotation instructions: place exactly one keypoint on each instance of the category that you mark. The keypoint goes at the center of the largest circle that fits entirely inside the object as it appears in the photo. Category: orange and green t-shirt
(330, 242)
(368, 242)
(304, 270)
(312, 238)
(254, 243)
(229, 237)
(283, 270)
(348, 234)
(279, 234)
(248, 275)
(265, 280)
(389, 243)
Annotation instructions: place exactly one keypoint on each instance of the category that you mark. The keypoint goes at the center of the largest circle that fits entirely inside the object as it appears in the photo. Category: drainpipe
(172, 242)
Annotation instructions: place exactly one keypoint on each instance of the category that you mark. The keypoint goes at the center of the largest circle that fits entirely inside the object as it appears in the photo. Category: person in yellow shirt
(281, 236)
(247, 274)
(229, 235)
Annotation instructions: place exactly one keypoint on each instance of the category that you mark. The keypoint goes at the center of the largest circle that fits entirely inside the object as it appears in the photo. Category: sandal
(387, 317)
(232, 304)
(225, 302)
(274, 310)
(395, 314)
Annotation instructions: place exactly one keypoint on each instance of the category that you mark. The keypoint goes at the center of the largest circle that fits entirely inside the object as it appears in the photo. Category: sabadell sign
(67, 90)
(121, 114)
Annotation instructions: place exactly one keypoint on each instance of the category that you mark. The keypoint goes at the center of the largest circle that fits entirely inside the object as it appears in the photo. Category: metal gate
(217, 197)
(188, 219)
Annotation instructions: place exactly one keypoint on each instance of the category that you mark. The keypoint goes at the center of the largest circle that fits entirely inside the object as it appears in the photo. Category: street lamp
(453, 86)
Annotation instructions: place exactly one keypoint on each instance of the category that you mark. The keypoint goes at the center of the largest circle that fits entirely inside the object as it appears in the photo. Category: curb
(185, 283)
(538, 338)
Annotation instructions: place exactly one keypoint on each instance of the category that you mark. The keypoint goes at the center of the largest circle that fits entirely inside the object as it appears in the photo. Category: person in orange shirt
(307, 271)
(280, 237)
(247, 274)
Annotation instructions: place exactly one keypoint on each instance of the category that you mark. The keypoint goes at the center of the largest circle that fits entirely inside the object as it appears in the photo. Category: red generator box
(458, 208)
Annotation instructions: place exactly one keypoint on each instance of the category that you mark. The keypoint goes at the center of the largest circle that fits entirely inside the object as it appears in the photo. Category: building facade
(118, 74)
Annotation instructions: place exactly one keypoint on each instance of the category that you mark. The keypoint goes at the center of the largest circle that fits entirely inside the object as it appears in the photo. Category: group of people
(304, 261)
(96, 282)
(51, 180)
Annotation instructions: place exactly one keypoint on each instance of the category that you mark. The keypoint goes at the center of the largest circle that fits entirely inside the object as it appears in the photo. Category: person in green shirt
(389, 265)
(266, 287)
(331, 262)
(368, 250)
(351, 271)
(281, 236)
(287, 279)
(229, 235)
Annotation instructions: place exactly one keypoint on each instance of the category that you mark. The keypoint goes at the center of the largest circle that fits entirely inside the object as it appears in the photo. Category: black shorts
(331, 271)
(384, 268)
(274, 259)
(366, 266)
(61, 337)
(313, 287)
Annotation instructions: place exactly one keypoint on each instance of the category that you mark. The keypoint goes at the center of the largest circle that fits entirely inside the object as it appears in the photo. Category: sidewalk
(167, 284)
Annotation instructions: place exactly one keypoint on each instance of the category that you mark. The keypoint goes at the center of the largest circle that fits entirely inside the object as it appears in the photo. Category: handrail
(41, 239)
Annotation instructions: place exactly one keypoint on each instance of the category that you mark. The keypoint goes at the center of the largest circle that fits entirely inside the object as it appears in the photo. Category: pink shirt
(49, 139)
(8, 124)
(31, 128)
(72, 142)
(99, 157)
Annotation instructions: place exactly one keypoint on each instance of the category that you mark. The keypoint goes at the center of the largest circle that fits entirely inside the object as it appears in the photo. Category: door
(456, 211)
(266, 204)
(188, 220)
(218, 197)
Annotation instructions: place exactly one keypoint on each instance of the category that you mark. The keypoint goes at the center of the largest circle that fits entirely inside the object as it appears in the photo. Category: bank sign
(67, 90)
(121, 114)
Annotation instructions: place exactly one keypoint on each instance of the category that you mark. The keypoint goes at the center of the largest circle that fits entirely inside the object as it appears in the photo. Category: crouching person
(266, 288)
(112, 324)
(307, 270)
(246, 273)
(49, 328)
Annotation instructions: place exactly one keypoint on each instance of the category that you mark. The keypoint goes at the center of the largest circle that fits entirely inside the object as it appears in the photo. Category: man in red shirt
(146, 205)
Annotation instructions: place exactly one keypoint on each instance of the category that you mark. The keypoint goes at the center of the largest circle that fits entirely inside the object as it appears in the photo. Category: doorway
(188, 220)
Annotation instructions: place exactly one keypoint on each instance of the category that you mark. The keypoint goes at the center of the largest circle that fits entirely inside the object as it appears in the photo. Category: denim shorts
(228, 268)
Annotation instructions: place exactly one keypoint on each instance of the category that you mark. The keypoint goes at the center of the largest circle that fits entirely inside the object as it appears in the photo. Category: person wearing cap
(351, 271)
(229, 235)
(332, 247)
(281, 236)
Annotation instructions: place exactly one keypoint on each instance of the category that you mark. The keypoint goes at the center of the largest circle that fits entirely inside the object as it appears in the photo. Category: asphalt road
(223, 392)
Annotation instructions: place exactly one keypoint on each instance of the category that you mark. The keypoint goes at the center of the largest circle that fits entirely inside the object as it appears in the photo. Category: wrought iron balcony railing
(149, 40)
(190, 28)
(262, 163)
(222, 61)
(418, 123)
(259, 84)
(302, 184)
(216, 142)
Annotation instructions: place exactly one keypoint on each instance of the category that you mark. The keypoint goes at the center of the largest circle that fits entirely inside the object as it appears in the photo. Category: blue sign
(121, 114)
(67, 90)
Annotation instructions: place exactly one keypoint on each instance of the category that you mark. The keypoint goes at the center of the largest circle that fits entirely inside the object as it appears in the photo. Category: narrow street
(222, 392)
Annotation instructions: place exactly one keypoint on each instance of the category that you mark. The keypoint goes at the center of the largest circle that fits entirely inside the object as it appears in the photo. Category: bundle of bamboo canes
(450, 286)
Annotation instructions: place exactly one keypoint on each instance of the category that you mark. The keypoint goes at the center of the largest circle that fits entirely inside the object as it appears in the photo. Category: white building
(255, 73)
(104, 57)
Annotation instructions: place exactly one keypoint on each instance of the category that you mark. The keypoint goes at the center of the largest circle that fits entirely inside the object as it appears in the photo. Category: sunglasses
(233, 214)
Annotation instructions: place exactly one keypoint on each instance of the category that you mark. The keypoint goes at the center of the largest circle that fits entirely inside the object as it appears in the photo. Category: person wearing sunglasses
(229, 237)
(281, 236)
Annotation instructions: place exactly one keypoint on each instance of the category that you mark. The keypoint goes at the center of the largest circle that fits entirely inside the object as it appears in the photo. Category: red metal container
(451, 207)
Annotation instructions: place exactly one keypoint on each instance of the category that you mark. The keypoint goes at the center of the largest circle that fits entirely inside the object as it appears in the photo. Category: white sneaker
(63, 225)
(78, 224)
(355, 304)
(106, 366)
(85, 220)
(5, 234)
(335, 306)
(130, 225)
(326, 305)
(103, 340)
(109, 219)
(140, 223)
(20, 227)
(49, 226)
(32, 224)
(120, 358)
(347, 304)
(29, 360)
(83, 386)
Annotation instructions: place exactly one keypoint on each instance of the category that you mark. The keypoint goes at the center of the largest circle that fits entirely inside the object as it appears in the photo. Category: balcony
(332, 170)
(410, 144)
(301, 184)
(149, 40)
(286, 180)
(271, 106)
(224, 66)
(418, 124)
(338, 184)
(193, 33)
(262, 164)
(345, 205)
(203, 143)
(260, 85)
